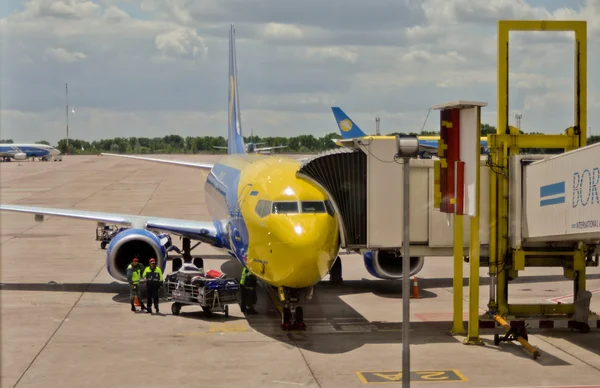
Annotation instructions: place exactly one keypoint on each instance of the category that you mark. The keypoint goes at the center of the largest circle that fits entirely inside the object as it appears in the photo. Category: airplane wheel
(299, 314)
(335, 273)
(286, 318)
(299, 319)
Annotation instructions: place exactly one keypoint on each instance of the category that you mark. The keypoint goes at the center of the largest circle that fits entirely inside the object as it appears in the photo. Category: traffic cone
(415, 290)
(136, 302)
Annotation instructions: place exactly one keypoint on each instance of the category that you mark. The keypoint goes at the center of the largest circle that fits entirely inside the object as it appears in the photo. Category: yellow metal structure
(474, 249)
(504, 262)
(458, 326)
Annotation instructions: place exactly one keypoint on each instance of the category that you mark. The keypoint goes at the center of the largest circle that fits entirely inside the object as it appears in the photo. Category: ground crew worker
(134, 271)
(153, 276)
(248, 291)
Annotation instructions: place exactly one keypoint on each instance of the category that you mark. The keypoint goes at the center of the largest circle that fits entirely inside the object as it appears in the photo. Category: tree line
(175, 144)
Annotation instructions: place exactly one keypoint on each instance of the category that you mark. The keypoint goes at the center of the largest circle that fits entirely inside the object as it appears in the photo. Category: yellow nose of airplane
(301, 249)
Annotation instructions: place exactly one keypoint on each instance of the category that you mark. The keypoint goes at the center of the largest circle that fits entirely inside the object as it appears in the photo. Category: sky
(150, 68)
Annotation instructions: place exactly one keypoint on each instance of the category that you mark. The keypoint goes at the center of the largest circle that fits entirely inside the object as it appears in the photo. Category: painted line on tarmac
(439, 317)
(557, 386)
(570, 296)
(426, 376)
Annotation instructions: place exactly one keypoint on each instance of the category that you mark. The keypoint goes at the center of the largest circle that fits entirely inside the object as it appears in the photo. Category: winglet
(235, 138)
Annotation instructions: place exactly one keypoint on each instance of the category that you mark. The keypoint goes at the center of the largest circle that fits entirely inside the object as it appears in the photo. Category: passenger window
(285, 207)
(313, 207)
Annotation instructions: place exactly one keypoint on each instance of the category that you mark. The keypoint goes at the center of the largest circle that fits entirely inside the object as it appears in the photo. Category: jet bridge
(363, 179)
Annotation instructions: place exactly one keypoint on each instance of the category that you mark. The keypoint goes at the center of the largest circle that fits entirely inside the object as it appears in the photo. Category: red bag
(214, 274)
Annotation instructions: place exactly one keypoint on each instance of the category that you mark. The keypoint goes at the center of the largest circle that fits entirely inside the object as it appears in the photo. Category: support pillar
(458, 326)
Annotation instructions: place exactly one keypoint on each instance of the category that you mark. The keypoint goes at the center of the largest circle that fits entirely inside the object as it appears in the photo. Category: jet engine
(388, 265)
(129, 242)
(20, 156)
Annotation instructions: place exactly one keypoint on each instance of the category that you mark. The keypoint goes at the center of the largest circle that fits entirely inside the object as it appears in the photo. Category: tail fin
(347, 127)
(235, 139)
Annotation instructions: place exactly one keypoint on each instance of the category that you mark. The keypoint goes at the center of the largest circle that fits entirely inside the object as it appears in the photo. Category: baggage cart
(106, 233)
(210, 294)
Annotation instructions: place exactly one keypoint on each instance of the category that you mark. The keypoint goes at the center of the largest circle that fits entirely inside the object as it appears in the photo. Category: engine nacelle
(388, 265)
(20, 156)
(127, 243)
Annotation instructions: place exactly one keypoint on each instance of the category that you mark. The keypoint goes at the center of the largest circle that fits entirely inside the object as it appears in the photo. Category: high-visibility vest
(135, 274)
(244, 276)
(153, 276)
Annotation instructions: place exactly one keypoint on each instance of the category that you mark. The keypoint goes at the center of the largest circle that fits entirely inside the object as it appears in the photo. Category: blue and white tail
(235, 139)
(348, 128)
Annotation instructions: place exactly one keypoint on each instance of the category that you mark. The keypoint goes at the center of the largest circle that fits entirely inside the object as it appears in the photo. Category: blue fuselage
(30, 151)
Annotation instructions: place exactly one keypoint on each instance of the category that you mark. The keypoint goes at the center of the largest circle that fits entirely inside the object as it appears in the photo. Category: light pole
(408, 147)
(67, 112)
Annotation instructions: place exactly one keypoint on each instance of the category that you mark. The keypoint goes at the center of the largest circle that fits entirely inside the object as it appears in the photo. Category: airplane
(283, 228)
(20, 152)
(428, 145)
(251, 147)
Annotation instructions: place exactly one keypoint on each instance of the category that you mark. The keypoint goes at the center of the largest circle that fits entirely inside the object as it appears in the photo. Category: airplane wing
(219, 147)
(268, 148)
(176, 162)
(204, 231)
(428, 147)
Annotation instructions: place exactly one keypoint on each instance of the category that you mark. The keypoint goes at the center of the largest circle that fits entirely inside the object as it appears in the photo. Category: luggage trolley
(105, 234)
(210, 294)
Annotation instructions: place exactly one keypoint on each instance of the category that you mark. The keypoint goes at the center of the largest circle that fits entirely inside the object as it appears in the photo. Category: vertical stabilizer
(347, 127)
(235, 139)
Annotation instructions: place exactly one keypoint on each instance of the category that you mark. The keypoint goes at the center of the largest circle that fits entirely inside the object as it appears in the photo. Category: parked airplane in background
(10, 151)
(428, 145)
(251, 147)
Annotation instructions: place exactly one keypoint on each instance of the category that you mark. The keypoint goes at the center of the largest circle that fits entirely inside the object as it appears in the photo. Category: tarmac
(66, 322)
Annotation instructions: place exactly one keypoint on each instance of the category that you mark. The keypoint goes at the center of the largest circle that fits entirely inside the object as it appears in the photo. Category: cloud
(141, 67)
(181, 42)
(65, 9)
(62, 55)
(342, 53)
(279, 30)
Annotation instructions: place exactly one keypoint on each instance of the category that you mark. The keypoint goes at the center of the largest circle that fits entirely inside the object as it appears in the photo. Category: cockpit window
(263, 208)
(313, 207)
(285, 207)
(329, 206)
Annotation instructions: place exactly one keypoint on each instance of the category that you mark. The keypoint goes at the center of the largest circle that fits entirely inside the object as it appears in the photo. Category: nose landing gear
(292, 317)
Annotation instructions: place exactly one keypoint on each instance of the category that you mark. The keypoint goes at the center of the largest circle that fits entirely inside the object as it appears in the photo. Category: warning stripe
(593, 323)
